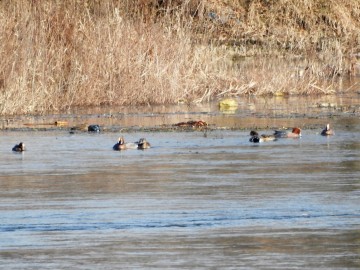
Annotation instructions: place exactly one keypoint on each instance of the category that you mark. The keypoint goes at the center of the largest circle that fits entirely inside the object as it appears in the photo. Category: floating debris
(56, 123)
(61, 123)
(195, 124)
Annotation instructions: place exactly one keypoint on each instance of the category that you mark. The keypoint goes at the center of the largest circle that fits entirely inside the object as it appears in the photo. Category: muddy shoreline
(251, 113)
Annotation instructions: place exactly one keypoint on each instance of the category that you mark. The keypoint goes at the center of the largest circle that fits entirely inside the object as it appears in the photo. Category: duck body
(256, 138)
(94, 128)
(327, 131)
(295, 133)
(268, 138)
(120, 145)
(143, 144)
(19, 147)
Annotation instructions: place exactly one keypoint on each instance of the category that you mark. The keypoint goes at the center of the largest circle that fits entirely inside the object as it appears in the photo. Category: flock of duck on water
(254, 137)
(120, 145)
(294, 133)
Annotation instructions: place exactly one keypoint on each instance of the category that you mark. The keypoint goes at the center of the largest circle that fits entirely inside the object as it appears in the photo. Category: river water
(194, 200)
(190, 202)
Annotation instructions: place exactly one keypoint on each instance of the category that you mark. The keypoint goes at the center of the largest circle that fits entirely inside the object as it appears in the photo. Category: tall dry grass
(56, 55)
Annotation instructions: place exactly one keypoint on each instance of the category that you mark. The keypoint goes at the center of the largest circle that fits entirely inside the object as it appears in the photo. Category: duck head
(254, 133)
(297, 131)
(121, 140)
(22, 146)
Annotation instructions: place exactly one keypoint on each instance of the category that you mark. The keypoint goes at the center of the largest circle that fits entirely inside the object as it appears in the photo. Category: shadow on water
(189, 202)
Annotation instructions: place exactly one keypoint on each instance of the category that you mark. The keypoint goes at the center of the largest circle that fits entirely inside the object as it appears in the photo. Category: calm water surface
(190, 202)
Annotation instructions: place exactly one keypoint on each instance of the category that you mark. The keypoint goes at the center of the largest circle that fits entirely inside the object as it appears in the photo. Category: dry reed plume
(56, 55)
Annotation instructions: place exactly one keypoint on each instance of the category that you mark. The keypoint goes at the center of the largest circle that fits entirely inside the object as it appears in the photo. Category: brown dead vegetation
(56, 55)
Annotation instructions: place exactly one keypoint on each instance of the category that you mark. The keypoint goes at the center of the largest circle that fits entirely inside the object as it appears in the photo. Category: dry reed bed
(56, 55)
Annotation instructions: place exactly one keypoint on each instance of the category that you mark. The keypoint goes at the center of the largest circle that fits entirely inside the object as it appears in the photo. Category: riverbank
(256, 112)
(58, 56)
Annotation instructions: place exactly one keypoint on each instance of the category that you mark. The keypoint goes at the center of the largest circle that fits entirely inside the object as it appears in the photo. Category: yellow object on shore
(228, 104)
(278, 94)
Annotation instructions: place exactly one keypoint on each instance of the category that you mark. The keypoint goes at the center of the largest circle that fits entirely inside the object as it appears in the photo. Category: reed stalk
(57, 55)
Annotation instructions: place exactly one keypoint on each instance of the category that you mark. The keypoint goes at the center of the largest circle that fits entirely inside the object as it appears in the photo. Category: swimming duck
(120, 145)
(327, 131)
(295, 133)
(255, 138)
(143, 144)
(19, 147)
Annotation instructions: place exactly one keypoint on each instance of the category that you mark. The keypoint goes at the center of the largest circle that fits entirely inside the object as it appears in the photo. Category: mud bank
(251, 112)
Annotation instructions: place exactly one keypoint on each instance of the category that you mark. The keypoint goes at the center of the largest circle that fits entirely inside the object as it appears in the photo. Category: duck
(120, 145)
(94, 128)
(143, 144)
(295, 133)
(19, 147)
(255, 138)
(327, 131)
